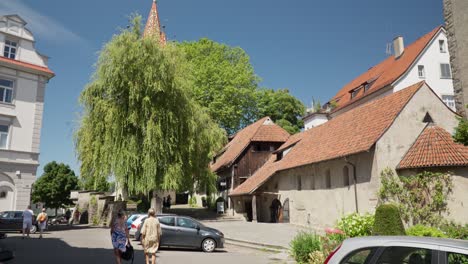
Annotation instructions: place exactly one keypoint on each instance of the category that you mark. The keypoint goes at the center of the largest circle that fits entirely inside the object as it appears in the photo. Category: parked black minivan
(186, 232)
(13, 221)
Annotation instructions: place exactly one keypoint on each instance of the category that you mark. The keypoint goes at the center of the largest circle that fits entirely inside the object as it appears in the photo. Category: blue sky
(310, 47)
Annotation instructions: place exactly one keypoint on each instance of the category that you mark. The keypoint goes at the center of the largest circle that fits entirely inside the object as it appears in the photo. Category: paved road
(92, 245)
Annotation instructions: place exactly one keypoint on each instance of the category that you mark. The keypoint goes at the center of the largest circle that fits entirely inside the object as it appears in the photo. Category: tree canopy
(285, 109)
(226, 84)
(54, 186)
(140, 123)
(461, 132)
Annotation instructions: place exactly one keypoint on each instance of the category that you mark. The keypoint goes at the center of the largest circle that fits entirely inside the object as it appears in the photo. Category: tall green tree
(54, 186)
(140, 123)
(461, 132)
(285, 109)
(224, 82)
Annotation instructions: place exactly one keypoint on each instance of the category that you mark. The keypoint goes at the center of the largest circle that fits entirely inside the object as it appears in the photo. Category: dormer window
(10, 49)
(442, 46)
(366, 87)
(354, 93)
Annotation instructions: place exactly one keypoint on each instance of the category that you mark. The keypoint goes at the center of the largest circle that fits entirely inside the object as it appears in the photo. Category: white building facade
(23, 78)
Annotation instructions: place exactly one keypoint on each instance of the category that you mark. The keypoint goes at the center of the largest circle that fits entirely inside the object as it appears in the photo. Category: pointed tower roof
(153, 26)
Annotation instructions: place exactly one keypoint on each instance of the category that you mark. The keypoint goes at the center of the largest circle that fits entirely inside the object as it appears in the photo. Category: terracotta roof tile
(264, 130)
(384, 73)
(434, 147)
(28, 65)
(352, 132)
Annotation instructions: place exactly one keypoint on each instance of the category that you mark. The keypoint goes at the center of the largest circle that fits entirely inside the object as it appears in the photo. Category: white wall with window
(6, 91)
(433, 66)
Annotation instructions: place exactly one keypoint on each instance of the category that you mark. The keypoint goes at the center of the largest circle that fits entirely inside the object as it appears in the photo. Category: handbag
(129, 253)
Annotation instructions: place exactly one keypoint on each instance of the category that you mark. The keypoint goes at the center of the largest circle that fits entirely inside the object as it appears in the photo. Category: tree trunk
(156, 202)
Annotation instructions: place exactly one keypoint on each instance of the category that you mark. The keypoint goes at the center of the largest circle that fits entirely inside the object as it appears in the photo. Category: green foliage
(461, 132)
(388, 221)
(424, 231)
(316, 105)
(99, 185)
(454, 230)
(285, 109)
(54, 186)
(193, 201)
(303, 244)
(421, 198)
(140, 123)
(225, 82)
(355, 225)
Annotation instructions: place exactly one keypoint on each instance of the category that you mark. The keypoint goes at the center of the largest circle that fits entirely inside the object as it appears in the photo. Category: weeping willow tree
(139, 122)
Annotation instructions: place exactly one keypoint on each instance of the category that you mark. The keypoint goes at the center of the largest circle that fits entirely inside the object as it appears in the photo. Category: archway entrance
(7, 197)
(275, 211)
(286, 211)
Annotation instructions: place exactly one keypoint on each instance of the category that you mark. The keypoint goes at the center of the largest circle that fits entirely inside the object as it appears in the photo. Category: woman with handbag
(119, 235)
(150, 235)
(42, 221)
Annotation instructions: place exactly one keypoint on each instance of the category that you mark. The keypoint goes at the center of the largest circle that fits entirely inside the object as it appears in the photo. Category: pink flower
(330, 231)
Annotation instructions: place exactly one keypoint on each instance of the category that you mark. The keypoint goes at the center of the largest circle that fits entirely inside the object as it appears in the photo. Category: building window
(299, 183)
(449, 100)
(6, 91)
(345, 176)
(3, 136)
(366, 87)
(421, 73)
(445, 72)
(3, 194)
(354, 93)
(328, 179)
(10, 49)
(442, 46)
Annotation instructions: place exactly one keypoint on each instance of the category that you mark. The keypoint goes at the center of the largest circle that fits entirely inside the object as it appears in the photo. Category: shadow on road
(53, 250)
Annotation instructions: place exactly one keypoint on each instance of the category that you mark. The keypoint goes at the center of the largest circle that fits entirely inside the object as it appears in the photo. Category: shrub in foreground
(303, 245)
(355, 225)
(456, 231)
(388, 221)
(425, 231)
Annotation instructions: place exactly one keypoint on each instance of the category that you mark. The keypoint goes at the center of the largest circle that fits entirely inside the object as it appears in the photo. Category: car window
(456, 258)
(405, 255)
(18, 214)
(360, 256)
(185, 222)
(167, 220)
(5, 214)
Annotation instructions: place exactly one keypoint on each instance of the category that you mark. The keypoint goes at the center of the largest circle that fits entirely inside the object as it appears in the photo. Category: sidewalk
(258, 233)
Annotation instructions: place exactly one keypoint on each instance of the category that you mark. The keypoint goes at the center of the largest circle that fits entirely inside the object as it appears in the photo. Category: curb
(257, 244)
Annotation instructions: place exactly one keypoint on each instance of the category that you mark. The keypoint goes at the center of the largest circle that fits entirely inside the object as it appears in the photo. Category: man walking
(42, 220)
(27, 220)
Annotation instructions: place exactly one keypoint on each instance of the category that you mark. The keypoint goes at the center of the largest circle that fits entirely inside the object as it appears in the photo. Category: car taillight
(331, 254)
(133, 226)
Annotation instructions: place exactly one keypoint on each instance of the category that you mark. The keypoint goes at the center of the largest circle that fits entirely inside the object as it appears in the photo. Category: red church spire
(153, 26)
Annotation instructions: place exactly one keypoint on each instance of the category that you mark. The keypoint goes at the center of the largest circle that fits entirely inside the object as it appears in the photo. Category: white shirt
(28, 215)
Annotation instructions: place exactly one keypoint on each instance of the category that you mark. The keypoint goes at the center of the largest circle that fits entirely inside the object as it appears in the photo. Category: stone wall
(456, 19)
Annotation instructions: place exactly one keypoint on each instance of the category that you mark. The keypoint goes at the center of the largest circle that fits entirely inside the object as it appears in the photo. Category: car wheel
(33, 229)
(208, 245)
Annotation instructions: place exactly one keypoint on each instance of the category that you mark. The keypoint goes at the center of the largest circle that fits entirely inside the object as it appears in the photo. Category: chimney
(398, 46)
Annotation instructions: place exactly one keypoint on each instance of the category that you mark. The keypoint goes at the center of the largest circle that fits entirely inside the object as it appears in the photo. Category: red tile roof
(384, 73)
(350, 133)
(433, 148)
(34, 67)
(264, 130)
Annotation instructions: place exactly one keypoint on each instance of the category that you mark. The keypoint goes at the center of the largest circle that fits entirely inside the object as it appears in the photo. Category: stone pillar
(254, 208)
(456, 19)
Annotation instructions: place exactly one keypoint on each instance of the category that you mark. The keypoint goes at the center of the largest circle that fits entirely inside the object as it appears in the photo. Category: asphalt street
(93, 245)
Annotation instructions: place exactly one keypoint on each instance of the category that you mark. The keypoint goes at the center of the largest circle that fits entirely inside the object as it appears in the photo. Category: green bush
(193, 201)
(355, 225)
(388, 221)
(456, 231)
(303, 244)
(425, 231)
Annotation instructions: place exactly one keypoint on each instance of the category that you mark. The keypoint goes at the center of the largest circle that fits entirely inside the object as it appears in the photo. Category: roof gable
(384, 73)
(434, 148)
(350, 133)
(264, 130)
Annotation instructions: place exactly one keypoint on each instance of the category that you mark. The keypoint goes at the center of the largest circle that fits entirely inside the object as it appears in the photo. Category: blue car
(131, 219)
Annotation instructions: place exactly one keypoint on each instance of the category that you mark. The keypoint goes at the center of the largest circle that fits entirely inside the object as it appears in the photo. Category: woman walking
(42, 220)
(150, 235)
(119, 235)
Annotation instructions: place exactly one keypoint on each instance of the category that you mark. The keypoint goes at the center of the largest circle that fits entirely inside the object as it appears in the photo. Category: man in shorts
(27, 220)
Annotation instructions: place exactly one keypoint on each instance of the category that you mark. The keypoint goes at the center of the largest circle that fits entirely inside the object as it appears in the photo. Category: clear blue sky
(310, 47)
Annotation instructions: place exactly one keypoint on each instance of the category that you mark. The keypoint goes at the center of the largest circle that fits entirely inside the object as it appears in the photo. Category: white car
(400, 249)
(136, 224)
